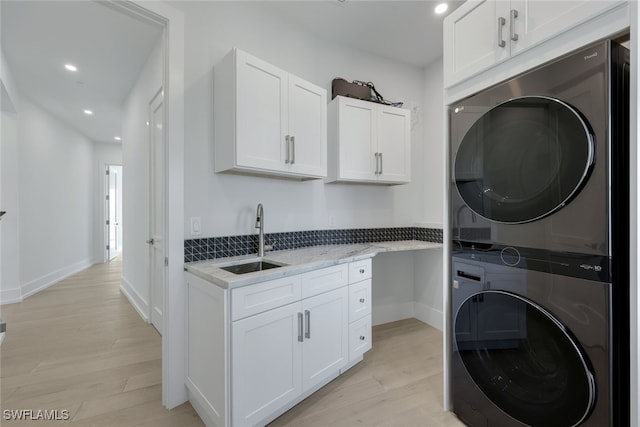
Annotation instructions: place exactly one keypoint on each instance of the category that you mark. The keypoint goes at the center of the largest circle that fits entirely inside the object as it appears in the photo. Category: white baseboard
(391, 312)
(429, 315)
(135, 299)
(10, 296)
(50, 279)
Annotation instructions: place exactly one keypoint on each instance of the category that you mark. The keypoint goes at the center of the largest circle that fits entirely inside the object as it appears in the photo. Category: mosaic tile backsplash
(227, 246)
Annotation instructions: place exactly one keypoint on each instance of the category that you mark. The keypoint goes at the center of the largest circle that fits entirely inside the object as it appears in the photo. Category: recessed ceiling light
(70, 67)
(88, 112)
(117, 138)
(441, 8)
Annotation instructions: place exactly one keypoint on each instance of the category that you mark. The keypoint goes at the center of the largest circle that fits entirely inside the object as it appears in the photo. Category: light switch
(196, 226)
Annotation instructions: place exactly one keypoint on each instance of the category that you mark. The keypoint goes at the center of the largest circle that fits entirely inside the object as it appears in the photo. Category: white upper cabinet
(394, 144)
(480, 34)
(369, 142)
(307, 128)
(472, 39)
(267, 121)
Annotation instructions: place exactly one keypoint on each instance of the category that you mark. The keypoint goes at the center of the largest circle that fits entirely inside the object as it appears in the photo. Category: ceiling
(406, 31)
(110, 48)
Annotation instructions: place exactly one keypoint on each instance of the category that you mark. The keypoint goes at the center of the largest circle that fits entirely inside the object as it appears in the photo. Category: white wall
(434, 118)
(135, 161)
(56, 201)
(46, 182)
(9, 243)
(226, 203)
(103, 154)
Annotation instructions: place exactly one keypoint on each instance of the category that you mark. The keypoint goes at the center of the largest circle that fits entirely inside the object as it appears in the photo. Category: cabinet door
(394, 144)
(326, 336)
(538, 21)
(357, 140)
(266, 357)
(261, 117)
(472, 42)
(307, 127)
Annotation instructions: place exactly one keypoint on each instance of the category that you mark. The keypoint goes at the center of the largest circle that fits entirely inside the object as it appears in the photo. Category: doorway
(113, 211)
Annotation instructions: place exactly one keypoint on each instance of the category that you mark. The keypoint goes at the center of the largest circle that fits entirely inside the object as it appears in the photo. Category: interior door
(157, 210)
(113, 210)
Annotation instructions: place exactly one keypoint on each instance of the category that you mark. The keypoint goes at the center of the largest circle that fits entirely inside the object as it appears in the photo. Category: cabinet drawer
(360, 270)
(324, 280)
(254, 299)
(359, 300)
(359, 337)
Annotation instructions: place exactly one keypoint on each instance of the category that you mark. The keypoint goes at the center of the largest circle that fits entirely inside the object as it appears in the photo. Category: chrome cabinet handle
(293, 149)
(150, 241)
(377, 155)
(361, 337)
(287, 141)
(362, 300)
(380, 164)
(512, 24)
(300, 327)
(307, 332)
(362, 271)
(501, 23)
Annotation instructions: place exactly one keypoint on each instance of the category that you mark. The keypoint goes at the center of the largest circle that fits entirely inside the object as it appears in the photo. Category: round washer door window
(524, 159)
(524, 360)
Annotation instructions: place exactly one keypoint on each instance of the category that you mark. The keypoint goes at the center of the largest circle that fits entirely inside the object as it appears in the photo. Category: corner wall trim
(50, 279)
(10, 296)
(429, 315)
(135, 299)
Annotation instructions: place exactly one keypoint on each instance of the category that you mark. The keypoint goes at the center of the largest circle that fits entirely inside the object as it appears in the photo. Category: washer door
(524, 360)
(524, 159)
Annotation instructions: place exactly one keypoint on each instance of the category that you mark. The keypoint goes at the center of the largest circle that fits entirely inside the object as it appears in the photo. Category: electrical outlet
(196, 226)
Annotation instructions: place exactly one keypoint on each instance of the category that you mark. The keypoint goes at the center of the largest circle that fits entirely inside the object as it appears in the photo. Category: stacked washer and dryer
(540, 251)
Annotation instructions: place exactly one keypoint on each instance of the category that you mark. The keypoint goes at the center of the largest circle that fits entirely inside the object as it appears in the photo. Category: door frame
(171, 19)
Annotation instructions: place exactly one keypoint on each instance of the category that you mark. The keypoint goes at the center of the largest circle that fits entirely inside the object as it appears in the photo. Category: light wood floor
(81, 346)
(399, 383)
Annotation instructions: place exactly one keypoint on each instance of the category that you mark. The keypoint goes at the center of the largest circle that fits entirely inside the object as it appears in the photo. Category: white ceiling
(406, 31)
(109, 48)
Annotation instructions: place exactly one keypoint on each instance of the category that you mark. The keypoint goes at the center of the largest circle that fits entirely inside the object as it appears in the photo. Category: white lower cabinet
(266, 363)
(268, 352)
(325, 347)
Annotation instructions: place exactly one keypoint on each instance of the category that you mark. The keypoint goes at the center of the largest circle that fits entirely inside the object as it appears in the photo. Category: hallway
(80, 346)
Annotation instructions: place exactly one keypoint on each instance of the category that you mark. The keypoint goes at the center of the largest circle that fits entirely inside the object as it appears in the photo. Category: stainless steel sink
(250, 267)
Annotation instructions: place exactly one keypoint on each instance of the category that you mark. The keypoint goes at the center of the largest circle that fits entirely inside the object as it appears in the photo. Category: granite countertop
(298, 261)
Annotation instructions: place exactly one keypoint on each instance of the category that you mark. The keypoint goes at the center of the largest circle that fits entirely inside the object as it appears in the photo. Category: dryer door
(524, 360)
(524, 159)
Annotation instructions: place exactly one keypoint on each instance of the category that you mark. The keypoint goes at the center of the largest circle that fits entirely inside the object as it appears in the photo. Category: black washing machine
(540, 262)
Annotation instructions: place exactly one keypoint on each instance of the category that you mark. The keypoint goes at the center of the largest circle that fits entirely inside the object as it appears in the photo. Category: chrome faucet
(460, 209)
(260, 227)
